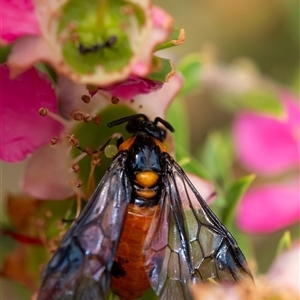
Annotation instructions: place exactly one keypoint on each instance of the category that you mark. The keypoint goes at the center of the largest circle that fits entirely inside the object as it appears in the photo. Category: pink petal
(284, 272)
(153, 104)
(18, 18)
(23, 129)
(133, 86)
(70, 94)
(47, 176)
(269, 208)
(265, 144)
(225, 291)
(161, 24)
(293, 111)
(26, 52)
(156, 103)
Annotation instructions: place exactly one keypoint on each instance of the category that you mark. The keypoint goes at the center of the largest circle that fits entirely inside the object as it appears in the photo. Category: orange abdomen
(129, 279)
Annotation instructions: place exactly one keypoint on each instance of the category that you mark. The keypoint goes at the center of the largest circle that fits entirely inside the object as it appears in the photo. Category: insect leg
(117, 136)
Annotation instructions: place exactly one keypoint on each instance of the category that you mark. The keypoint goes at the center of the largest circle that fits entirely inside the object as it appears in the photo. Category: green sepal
(176, 38)
(162, 69)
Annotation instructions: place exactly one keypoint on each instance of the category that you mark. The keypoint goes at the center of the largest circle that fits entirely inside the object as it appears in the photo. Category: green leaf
(162, 69)
(285, 242)
(178, 117)
(176, 38)
(217, 156)
(263, 101)
(190, 163)
(233, 194)
(190, 67)
(259, 100)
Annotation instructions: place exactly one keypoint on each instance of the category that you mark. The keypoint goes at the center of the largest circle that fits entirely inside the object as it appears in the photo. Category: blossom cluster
(75, 46)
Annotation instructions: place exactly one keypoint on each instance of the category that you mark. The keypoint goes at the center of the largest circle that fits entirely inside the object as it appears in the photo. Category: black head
(140, 122)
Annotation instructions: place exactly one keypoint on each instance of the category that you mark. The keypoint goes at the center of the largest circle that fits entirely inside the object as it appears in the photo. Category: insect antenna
(165, 123)
(126, 119)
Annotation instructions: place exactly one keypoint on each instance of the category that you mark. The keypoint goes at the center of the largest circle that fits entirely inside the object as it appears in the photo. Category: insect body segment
(129, 279)
(145, 225)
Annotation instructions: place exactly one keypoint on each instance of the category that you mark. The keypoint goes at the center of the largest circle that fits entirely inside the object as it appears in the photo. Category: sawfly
(144, 226)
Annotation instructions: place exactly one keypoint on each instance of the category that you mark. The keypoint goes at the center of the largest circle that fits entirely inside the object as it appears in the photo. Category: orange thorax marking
(126, 145)
(146, 178)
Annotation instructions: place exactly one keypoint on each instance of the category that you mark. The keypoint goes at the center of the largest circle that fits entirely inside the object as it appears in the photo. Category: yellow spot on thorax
(146, 178)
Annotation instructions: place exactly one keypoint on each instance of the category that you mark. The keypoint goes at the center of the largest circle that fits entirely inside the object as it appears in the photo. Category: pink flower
(269, 146)
(86, 48)
(280, 282)
(25, 132)
(20, 12)
(284, 271)
(269, 208)
(266, 144)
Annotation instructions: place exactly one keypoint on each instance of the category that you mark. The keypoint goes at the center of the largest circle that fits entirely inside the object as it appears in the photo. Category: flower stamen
(87, 118)
(46, 112)
(97, 120)
(74, 142)
(86, 98)
(77, 115)
(114, 100)
(89, 151)
(77, 183)
(96, 161)
(76, 167)
(54, 141)
(43, 111)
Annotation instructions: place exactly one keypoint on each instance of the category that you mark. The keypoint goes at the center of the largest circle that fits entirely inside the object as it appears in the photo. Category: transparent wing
(80, 268)
(187, 242)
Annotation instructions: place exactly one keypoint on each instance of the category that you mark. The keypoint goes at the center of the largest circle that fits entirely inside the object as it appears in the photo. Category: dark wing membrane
(197, 247)
(80, 267)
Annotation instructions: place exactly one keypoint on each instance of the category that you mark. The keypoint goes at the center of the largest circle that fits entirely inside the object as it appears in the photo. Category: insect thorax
(145, 167)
